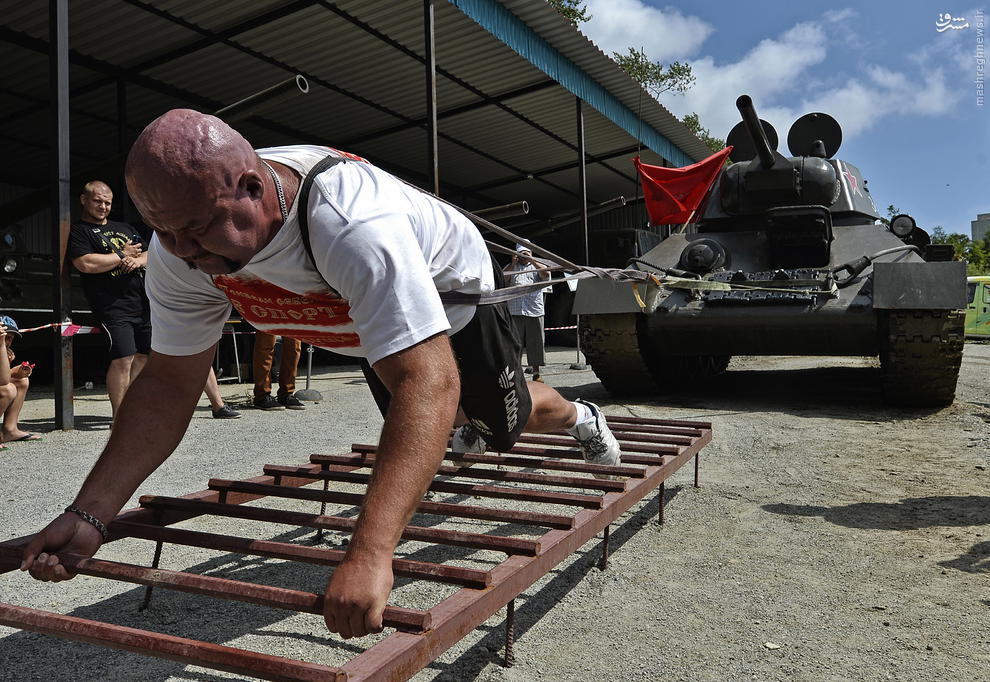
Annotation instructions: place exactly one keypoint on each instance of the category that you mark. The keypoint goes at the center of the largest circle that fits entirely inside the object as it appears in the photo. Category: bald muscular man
(227, 223)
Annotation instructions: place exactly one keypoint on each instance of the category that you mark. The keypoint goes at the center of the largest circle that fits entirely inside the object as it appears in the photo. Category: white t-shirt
(386, 247)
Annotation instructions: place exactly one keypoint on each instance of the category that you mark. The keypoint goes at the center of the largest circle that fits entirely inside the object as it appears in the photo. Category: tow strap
(456, 297)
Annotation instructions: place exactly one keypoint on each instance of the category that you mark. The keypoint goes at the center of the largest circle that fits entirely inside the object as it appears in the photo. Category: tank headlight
(9, 265)
(902, 225)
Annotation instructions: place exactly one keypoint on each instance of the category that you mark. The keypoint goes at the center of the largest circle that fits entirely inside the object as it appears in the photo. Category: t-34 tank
(789, 258)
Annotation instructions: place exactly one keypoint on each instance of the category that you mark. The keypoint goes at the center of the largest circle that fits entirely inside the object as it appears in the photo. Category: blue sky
(904, 92)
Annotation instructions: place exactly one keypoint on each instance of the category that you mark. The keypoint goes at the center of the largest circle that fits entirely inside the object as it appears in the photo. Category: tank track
(920, 354)
(611, 345)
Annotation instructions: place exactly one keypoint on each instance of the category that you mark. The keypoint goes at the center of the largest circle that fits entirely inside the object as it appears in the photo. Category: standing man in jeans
(527, 310)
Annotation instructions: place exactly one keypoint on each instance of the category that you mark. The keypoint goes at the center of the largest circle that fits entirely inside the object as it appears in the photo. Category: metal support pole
(323, 511)
(697, 457)
(310, 394)
(58, 58)
(120, 186)
(603, 562)
(660, 500)
(431, 95)
(510, 633)
(583, 187)
(150, 588)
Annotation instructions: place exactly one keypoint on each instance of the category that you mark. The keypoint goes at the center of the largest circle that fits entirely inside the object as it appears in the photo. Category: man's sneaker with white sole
(595, 438)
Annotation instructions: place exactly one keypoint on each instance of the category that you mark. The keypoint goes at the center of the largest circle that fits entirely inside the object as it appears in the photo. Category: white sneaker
(468, 441)
(596, 439)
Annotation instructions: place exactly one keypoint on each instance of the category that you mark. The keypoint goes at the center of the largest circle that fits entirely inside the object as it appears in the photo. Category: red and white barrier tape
(553, 329)
(68, 329)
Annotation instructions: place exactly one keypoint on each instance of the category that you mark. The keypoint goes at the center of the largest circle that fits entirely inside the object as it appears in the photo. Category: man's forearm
(414, 438)
(150, 423)
(96, 263)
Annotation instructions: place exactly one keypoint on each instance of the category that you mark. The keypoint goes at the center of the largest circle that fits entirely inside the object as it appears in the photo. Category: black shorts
(128, 337)
(494, 395)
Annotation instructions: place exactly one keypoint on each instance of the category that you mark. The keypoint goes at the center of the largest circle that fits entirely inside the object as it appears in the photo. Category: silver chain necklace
(279, 191)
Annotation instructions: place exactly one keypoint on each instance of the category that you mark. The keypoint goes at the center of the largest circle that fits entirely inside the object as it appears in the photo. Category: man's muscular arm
(95, 263)
(168, 389)
(425, 388)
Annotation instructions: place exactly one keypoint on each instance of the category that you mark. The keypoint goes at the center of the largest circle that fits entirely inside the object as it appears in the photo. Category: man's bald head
(94, 186)
(96, 200)
(184, 152)
(204, 190)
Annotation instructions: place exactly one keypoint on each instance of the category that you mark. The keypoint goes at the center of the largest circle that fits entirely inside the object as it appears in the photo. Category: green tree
(694, 125)
(676, 77)
(573, 10)
(978, 257)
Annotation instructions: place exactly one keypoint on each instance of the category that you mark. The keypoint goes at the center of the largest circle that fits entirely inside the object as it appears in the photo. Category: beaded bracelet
(89, 518)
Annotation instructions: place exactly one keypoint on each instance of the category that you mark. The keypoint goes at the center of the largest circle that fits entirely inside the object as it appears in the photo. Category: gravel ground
(833, 538)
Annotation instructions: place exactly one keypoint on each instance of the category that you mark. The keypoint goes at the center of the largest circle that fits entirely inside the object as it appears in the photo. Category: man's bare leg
(550, 412)
(137, 364)
(118, 379)
(212, 390)
(12, 412)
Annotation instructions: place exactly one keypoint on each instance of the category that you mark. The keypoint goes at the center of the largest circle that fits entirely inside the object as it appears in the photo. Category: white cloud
(768, 72)
(665, 34)
(790, 74)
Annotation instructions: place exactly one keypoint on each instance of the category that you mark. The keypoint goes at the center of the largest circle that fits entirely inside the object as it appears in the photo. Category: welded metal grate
(540, 470)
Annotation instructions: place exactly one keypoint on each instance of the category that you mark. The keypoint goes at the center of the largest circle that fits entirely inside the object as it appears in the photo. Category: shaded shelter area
(488, 101)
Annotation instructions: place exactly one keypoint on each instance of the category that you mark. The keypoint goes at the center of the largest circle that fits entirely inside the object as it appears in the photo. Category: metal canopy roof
(508, 75)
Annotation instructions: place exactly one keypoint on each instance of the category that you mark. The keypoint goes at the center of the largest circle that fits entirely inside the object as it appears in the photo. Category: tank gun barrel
(745, 106)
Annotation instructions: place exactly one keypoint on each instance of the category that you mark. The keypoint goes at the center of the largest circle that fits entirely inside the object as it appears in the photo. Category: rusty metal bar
(234, 590)
(454, 575)
(189, 651)
(627, 458)
(461, 472)
(402, 655)
(439, 508)
(421, 635)
(417, 533)
(554, 464)
(638, 446)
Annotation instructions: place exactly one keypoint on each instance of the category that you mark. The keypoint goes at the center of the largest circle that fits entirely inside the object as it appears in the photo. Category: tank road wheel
(611, 346)
(920, 353)
(619, 349)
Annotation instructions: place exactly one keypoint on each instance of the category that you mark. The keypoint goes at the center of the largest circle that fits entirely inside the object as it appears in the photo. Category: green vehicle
(978, 308)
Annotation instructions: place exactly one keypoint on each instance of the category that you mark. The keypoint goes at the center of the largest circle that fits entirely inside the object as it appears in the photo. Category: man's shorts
(494, 395)
(128, 337)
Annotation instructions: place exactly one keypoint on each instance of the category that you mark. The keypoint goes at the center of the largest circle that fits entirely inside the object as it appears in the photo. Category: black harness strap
(302, 212)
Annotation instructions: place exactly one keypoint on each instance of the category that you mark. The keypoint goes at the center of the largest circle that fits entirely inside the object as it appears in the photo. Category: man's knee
(121, 364)
(21, 384)
(7, 393)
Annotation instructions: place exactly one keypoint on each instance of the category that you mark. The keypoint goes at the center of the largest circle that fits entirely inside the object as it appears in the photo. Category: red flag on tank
(673, 194)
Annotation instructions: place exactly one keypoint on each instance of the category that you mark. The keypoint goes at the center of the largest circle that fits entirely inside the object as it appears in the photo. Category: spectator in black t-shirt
(111, 257)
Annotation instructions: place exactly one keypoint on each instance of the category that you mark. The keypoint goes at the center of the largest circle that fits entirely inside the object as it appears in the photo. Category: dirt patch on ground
(832, 538)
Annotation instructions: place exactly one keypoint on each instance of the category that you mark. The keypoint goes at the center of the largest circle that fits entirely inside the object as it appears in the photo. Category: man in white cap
(527, 310)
